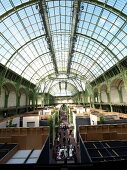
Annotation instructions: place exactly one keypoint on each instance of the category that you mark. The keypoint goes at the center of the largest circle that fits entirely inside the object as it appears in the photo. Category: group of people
(64, 150)
(66, 153)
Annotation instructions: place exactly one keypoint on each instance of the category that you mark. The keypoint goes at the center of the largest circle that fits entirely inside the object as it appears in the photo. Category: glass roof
(47, 38)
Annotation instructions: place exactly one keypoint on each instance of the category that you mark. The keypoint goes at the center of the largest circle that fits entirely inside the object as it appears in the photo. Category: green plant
(102, 119)
(10, 124)
(56, 118)
(50, 123)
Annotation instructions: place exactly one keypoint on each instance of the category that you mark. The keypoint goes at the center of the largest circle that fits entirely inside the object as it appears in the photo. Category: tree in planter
(50, 123)
(56, 118)
(71, 117)
(10, 124)
(102, 119)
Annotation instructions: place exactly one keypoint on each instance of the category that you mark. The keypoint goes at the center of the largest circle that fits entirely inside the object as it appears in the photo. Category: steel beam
(75, 17)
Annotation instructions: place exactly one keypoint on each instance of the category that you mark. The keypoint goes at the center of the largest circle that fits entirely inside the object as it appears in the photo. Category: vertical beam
(6, 100)
(99, 96)
(75, 15)
(109, 95)
(45, 19)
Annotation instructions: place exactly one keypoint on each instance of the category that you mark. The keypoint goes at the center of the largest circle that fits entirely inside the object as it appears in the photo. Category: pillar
(109, 95)
(6, 99)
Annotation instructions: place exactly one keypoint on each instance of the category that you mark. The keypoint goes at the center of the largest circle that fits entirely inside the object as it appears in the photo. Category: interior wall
(104, 97)
(12, 99)
(124, 94)
(114, 95)
(23, 99)
(34, 119)
(93, 119)
(39, 100)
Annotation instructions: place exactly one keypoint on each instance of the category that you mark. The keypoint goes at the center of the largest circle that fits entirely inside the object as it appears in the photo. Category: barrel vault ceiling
(62, 45)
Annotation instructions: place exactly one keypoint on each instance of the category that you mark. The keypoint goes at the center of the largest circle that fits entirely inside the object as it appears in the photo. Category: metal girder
(44, 15)
(106, 6)
(31, 2)
(67, 83)
(47, 79)
(75, 15)
(90, 59)
(95, 40)
(16, 8)
(40, 36)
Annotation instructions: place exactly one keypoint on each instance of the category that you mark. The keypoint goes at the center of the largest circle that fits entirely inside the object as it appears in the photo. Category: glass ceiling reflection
(100, 38)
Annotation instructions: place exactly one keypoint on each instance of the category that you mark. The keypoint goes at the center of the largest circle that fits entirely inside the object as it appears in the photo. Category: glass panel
(99, 40)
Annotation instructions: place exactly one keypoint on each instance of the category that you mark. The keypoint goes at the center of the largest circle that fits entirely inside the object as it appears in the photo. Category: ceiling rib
(106, 6)
(44, 15)
(73, 36)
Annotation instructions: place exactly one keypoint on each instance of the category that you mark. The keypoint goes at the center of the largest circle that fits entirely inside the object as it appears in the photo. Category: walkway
(65, 148)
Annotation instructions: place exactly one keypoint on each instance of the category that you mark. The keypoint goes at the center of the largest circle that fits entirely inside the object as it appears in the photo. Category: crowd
(64, 149)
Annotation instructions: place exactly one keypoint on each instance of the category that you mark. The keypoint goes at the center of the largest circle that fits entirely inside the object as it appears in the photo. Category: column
(6, 99)
(99, 96)
(27, 97)
(109, 95)
(33, 100)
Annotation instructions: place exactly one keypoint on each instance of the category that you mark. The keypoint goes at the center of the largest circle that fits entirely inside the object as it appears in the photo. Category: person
(70, 131)
(58, 140)
(60, 134)
(65, 160)
(77, 145)
(62, 155)
(5, 115)
(74, 148)
(64, 133)
(68, 148)
(60, 145)
(68, 141)
(75, 157)
(64, 140)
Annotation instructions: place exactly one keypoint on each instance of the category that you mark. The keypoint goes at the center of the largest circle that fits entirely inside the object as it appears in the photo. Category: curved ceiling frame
(36, 72)
(40, 36)
(15, 49)
(43, 79)
(19, 50)
(17, 8)
(82, 34)
(30, 3)
(46, 78)
(106, 6)
(50, 86)
(84, 67)
(95, 40)
(98, 20)
(48, 52)
(90, 59)
(106, 47)
(58, 83)
(48, 63)
(71, 79)
(112, 54)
